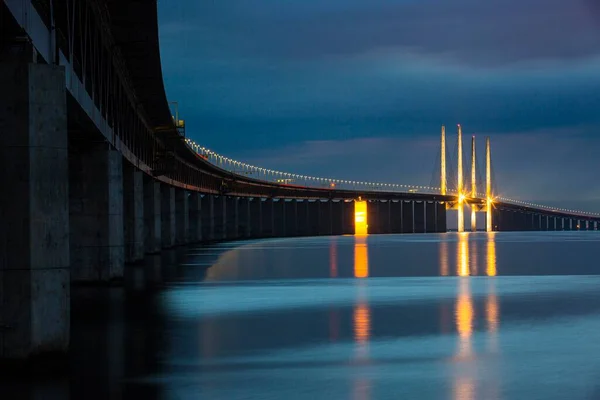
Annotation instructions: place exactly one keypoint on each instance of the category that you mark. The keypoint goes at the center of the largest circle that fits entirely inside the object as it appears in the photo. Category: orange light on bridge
(360, 218)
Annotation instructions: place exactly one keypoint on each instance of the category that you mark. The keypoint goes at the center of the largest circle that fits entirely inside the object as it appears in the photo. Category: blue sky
(358, 89)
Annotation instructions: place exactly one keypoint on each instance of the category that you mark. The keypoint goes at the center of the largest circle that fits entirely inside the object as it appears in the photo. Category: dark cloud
(358, 89)
(493, 32)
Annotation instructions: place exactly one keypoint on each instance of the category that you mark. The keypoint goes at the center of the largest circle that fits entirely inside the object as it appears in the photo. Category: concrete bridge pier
(290, 209)
(337, 217)
(233, 218)
(220, 217)
(419, 216)
(325, 218)
(34, 211)
(408, 220)
(373, 217)
(182, 214)
(195, 217)
(441, 225)
(348, 217)
(430, 217)
(96, 213)
(312, 207)
(208, 217)
(256, 217)
(396, 216)
(167, 220)
(243, 218)
(279, 218)
(152, 216)
(268, 218)
(133, 206)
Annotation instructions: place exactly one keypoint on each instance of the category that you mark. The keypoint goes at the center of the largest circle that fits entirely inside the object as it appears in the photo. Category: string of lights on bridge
(266, 174)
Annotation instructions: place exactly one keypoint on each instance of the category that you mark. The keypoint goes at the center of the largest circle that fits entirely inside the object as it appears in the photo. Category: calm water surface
(469, 316)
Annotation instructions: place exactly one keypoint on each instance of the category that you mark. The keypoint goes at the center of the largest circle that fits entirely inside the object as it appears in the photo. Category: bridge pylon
(443, 179)
(488, 186)
(473, 185)
(461, 195)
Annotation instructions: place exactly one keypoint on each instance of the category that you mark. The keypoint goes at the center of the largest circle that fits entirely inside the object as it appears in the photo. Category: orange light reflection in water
(463, 254)
(491, 254)
(333, 260)
(464, 384)
(362, 320)
(444, 268)
(361, 257)
(464, 387)
(362, 323)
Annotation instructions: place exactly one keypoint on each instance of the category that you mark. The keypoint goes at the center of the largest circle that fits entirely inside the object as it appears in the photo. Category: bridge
(96, 172)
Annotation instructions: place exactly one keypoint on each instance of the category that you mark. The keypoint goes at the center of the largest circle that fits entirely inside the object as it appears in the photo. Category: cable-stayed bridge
(96, 172)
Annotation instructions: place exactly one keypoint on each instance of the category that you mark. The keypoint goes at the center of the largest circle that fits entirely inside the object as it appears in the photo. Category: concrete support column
(396, 216)
(167, 215)
(324, 217)
(268, 218)
(152, 216)
(34, 211)
(256, 217)
(208, 217)
(220, 217)
(133, 213)
(280, 221)
(195, 224)
(290, 209)
(182, 213)
(337, 217)
(348, 217)
(231, 221)
(243, 207)
(312, 217)
(96, 214)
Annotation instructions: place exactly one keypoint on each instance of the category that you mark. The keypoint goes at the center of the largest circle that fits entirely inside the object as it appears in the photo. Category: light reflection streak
(362, 320)
(463, 254)
(333, 259)
(361, 257)
(491, 254)
(464, 383)
(444, 268)
(464, 368)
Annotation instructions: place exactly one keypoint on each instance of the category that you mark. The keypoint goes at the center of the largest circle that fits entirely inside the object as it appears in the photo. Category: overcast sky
(355, 89)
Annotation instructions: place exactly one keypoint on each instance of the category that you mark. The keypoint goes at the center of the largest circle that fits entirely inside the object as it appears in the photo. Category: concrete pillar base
(152, 217)
(133, 199)
(96, 215)
(167, 220)
(34, 212)
(182, 212)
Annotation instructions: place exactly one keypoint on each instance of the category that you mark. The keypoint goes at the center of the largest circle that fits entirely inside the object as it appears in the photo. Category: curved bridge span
(97, 173)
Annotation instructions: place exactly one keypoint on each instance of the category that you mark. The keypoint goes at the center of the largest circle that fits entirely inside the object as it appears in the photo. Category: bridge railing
(292, 179)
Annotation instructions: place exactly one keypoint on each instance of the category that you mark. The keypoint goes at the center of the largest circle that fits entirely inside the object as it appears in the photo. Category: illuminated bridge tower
(461, 196)
(443, 181)
(473, 186)
(488, 186)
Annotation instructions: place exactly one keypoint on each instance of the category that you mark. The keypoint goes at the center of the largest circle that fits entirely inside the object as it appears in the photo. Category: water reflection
(465, 312)
(361, 257)
(362, 320)
(463, 254)
(333, 260)
(491, 254)
(444, 267)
